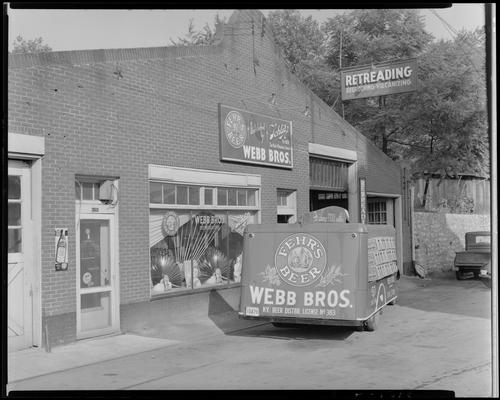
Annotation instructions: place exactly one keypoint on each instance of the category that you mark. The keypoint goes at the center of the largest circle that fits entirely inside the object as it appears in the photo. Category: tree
(300, 38)
(442, 127)
(21, 45)
(372, 36)
(204, 36)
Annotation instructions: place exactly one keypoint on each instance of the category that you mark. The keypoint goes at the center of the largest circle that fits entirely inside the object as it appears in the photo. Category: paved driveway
(438, 336)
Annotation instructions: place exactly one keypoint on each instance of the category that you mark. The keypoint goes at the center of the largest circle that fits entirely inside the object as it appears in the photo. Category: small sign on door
(61, 249)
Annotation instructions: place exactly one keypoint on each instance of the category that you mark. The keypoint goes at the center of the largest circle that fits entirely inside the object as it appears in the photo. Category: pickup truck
(476, 258)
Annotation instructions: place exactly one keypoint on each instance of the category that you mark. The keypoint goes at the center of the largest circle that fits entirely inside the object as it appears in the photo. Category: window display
(196, 248)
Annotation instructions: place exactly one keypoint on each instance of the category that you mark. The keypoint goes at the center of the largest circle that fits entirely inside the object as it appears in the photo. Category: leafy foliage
(21, 45)
(442, 127)
(204, 36)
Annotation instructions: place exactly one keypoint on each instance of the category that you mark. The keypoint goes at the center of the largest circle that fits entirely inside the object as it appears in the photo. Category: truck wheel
(459, 275)
(371, 323)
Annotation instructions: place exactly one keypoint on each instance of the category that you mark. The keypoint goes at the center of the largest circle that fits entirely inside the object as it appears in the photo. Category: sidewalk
(34, 362)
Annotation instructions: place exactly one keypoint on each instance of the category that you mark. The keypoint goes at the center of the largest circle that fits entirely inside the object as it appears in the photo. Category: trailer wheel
(371, 323)
(460, 275)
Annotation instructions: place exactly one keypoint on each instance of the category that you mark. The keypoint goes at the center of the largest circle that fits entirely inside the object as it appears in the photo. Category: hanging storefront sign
(379, 80)
(254, 139)
(363, 208)
(61, 249)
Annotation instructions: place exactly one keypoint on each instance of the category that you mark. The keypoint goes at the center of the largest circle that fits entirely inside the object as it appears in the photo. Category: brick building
(130, 181)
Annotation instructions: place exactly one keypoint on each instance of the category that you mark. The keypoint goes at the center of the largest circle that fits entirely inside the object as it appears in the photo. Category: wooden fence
(463, 195)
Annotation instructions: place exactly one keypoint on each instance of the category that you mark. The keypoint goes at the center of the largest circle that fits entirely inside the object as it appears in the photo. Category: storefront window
(192, 248)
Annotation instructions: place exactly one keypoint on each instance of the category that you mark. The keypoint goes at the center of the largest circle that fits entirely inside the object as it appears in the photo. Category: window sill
(194, 291)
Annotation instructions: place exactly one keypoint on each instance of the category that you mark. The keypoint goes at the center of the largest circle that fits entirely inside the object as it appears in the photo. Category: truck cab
(476, 258)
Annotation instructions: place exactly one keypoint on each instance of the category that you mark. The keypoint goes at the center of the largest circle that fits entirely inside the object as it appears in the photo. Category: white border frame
(114, 288)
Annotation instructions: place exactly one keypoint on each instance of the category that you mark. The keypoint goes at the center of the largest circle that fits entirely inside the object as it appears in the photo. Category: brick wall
(113, 112)
(439, 235)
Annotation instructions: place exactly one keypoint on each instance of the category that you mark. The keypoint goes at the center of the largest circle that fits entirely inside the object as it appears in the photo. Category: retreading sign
(378, 80)
(254, 139)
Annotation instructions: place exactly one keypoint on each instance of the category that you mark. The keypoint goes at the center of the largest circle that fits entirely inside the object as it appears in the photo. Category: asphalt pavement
(437, 336)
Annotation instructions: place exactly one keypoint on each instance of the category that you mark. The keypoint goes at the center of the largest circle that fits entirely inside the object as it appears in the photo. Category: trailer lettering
(333, 298)
(280, 297)
(308, 298)
(268, 293)
(271, 296)
(300, 259)
(344, 299)
(320, 298)
(256, 294)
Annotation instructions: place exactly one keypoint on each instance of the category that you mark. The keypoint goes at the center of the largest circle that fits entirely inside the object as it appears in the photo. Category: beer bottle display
(61, 249)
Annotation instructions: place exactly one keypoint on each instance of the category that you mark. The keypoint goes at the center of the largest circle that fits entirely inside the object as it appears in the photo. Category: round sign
(235, 129)
(170, 223)
(300, 259)
(87, 278)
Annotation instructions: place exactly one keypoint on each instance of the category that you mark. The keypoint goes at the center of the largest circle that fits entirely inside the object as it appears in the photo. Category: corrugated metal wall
(328, 174)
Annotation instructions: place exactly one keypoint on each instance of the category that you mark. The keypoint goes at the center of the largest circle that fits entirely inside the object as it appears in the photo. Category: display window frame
(212, 234)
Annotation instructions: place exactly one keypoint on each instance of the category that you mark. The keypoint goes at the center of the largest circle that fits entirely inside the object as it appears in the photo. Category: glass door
(97, 298)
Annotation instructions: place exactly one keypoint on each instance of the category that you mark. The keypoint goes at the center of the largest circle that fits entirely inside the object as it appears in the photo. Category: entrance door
(20, 266)
(97, 272)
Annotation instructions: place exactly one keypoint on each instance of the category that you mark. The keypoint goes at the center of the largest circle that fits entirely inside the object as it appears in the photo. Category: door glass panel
(94, 253)
(182, 195)
(155, 193)
(14, 240)
(194, 195)
(14, 188)
(14, 214)
(87, 191)
(231, 197)
(169, 193)
(95, 311)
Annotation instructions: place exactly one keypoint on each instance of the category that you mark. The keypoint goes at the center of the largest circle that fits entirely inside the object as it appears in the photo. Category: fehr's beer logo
(235, 129)
(300, 259)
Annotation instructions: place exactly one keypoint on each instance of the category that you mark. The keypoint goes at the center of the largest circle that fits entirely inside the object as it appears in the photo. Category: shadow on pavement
(298, 332)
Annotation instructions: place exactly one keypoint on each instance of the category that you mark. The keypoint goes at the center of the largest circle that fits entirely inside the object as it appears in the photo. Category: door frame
(31, 149)
(104, 213)
(22, 169)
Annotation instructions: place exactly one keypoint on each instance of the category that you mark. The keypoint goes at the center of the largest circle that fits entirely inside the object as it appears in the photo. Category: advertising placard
(301, 275)
(254, 138)
(363, 208)
(61, 249)
(379, 79)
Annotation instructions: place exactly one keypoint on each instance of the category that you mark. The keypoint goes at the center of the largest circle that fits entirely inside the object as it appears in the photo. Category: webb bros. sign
(254, 139)
(378, 80)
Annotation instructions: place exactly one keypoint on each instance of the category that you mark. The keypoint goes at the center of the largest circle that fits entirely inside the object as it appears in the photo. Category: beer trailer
(323, 270)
